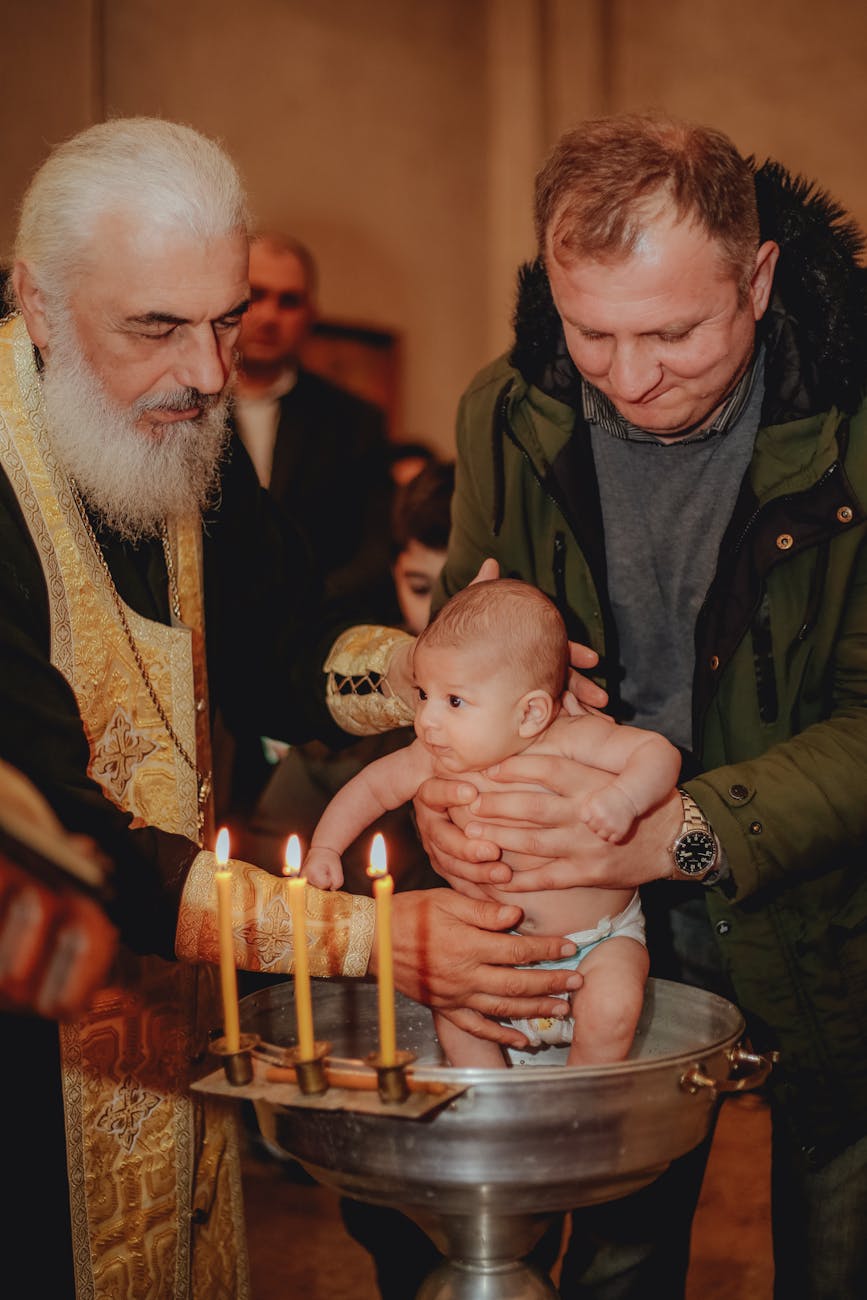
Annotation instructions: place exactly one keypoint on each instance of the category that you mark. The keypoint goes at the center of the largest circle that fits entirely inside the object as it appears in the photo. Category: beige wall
(359, 127)
(400, 137)
(785, 78)
(51, 57)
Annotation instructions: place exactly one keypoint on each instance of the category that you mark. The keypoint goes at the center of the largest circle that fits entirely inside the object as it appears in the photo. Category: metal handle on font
(760, 1067)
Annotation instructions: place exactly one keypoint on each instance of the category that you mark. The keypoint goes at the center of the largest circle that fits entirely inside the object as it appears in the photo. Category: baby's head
(490, 669)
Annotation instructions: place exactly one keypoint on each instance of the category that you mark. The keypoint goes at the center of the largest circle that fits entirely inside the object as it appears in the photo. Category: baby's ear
(536, 710)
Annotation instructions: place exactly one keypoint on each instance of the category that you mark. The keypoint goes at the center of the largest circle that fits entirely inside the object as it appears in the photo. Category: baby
(490, 672)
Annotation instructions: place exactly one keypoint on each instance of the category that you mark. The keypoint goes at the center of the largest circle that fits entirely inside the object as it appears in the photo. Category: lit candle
(228, 973)
(298, 909)
(383, 888)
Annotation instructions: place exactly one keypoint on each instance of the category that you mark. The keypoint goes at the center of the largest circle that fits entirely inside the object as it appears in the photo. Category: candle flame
(292, 857)
(378, 862)
(222, 849)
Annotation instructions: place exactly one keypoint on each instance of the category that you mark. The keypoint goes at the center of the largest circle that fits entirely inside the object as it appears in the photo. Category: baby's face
(469, 707)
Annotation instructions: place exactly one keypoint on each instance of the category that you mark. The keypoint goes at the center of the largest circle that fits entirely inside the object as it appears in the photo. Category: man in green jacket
(675, 450)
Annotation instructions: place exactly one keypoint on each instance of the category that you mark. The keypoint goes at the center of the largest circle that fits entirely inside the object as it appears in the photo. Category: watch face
(695, 853)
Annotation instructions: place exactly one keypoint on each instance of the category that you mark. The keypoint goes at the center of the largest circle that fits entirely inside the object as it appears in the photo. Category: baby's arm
(384, 784)
(647, 768)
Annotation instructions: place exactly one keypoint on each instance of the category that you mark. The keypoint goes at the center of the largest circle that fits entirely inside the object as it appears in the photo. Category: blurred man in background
(322, 452)
(323, 455)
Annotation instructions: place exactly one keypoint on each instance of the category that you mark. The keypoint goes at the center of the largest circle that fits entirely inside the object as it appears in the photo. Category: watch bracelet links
(694, 819)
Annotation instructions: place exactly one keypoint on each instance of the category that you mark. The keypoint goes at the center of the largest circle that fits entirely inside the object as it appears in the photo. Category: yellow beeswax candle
(228, 973)
(383, 889)
(298, 911)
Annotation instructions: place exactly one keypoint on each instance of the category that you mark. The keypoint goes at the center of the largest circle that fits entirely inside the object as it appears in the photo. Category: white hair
(164, 175)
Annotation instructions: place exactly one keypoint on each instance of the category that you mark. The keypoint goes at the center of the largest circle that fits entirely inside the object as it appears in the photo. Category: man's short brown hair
(606, 177)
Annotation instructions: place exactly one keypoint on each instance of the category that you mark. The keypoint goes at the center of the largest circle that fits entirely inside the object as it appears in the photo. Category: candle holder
(392, 1084)
(310, 1071)
(238, 1065)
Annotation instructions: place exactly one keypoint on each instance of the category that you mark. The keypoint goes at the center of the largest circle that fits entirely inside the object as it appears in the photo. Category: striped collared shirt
(601, 411)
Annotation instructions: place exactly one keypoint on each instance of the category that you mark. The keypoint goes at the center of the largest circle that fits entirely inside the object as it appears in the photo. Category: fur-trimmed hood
(815, 330)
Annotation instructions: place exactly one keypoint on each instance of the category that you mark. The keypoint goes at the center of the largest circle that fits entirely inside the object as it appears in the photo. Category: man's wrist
(696, 854)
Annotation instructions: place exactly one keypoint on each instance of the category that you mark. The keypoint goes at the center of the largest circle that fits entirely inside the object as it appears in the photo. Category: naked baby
(490, 672)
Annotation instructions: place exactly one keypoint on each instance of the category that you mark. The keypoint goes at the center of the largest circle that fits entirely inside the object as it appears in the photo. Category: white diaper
(629, 924)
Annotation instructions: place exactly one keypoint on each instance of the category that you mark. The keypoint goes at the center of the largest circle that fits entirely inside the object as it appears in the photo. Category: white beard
(130, 481)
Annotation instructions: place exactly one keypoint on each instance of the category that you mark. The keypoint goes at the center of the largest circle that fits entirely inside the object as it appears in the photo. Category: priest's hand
(450, 952)
(56, 946)
(56, 942)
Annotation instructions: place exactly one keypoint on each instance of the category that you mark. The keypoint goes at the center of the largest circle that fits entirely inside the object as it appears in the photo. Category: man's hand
(56, 946)
(463, 862)
(449, 953)
(581, 689)
(553, 828)
(548, 824)
(483, 1027)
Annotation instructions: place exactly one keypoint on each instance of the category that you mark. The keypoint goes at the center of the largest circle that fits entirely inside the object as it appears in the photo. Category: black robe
(266, 641)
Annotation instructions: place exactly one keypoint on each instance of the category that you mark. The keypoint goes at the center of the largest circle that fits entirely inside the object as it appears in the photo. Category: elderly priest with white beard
(127, 527)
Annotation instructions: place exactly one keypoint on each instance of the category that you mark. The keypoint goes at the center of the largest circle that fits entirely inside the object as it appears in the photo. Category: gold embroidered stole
(156, 1208)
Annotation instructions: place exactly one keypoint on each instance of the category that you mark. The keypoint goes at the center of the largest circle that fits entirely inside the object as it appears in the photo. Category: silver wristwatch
(696, 851)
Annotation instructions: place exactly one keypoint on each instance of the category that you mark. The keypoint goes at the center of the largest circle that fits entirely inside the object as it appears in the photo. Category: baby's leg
(463, 1048)
(607, 1006)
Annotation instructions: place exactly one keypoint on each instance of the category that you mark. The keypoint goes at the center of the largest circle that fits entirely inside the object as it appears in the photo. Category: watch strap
(695, 820)
(693, 817)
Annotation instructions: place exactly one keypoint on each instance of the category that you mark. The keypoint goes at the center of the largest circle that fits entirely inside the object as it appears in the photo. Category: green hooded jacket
(779, 762)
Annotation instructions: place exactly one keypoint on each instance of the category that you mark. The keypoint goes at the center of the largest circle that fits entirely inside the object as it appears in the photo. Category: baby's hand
(322, 867)
(610, 813)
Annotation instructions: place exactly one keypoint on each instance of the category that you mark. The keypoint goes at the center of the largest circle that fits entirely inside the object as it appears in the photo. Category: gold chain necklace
(174, 593)
(203, 781)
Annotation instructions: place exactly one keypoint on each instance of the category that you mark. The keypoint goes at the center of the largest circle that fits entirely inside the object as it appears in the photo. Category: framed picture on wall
(363, 359)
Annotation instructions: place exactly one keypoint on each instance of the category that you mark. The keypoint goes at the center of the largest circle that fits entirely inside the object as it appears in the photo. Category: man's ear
(31, 303)
(536, 709)
(311, 316)
(763, 277)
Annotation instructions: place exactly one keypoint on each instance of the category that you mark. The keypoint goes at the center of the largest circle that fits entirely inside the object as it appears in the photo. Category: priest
(143, 580)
